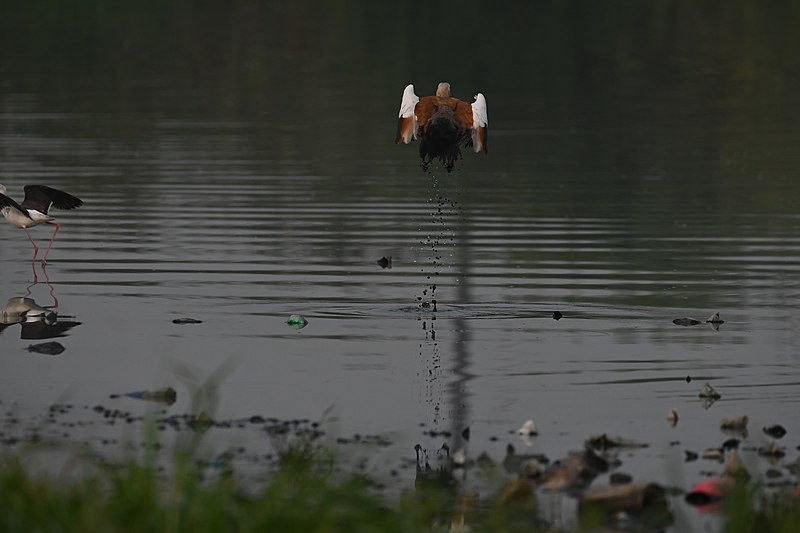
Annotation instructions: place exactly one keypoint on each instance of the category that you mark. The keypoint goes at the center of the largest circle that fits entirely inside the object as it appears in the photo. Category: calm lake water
(260, 180)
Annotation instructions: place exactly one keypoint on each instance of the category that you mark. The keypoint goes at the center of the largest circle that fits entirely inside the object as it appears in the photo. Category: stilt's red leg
(44, 259)
(35, 278)
(35, 248)
(52, 289)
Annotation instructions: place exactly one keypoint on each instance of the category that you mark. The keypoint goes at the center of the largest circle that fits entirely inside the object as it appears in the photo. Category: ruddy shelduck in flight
(443, 125)
(33, 210)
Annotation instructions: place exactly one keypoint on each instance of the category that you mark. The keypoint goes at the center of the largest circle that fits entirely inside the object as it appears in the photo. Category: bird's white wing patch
(409, 102)
(407, 121)
(480, 117)
(38, 216)
(480, 124)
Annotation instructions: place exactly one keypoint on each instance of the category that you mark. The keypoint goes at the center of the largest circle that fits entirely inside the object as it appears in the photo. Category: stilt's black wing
(41, 197)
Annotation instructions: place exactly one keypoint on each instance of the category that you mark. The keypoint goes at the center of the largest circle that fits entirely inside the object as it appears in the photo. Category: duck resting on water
(443, 125)
(33, 210)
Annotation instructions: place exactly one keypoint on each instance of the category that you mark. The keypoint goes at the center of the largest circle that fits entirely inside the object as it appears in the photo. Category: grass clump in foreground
(749, 508)
(302, 494)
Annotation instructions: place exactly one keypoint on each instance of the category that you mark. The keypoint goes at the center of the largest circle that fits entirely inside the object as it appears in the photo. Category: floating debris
(672, 417)
(736, 423)
(569, 473)
(731, 444)
(385, 262)
(715, 454)
(47, 348)
(734, 466)
(297, 322)
(707, 494)
(794, 467)
(167, 395)
(200, 422)
(604, 441)
(484, 460)
(629, 497)
(776, 431)
(578, 469)
(714, 320)
(773, 451)
(187, 320)
(513, 462)
(772, 473)
(557, 315)
(532, 469)
(620, 478)
(528, 429)
(460, 458)
(709, 392)
(518, 494)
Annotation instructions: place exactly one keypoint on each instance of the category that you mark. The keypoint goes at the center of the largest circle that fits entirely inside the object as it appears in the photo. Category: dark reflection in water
(459, 394)
(36, 321)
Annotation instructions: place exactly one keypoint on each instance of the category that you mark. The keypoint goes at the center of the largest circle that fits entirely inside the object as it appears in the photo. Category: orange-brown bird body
(443, 125)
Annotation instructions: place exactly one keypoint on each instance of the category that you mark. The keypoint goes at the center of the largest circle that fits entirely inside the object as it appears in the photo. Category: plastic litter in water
(297, 322)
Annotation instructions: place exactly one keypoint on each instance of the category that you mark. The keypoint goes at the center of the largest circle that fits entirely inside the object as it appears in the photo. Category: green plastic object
(297, 322)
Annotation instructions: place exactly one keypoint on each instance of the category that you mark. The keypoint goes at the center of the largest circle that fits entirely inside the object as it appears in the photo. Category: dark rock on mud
(776, 431)
(731, 444)
(620, 478)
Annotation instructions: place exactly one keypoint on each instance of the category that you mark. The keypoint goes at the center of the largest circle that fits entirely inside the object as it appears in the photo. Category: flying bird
(443, 125)
(33, 210)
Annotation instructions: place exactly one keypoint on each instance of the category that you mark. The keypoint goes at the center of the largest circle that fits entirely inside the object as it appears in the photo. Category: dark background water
(237, 166)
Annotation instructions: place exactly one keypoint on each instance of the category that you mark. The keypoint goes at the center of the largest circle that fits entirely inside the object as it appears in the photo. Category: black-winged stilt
(33, 210)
